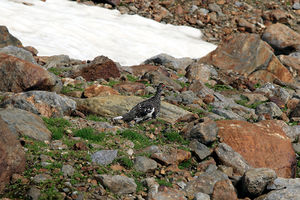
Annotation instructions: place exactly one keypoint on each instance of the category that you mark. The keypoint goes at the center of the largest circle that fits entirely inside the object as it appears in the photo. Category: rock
(188, 97)
(34, 193)
(40, 178)
(117, 184)
(296, 147)
(23, 123)
(227, 114)
(249, 27)
(116, 105)
(144, 164)
(256, 180)
(199, 71)
(296, 6)
(6, 39)
(230, 158)
(282, 183)
(129, 87)
(11, 153)
(169, 61)
(100, 67)
(246, 54)
(262, 145)
(213, 7)
(19, 53)
(296, 112)
(169, 194)
(47, 104)
(19, 75)
(104, 157)
(291, 61)
(57, 61)
(57, 145)
(199, 149)
(293, 132)
(170, 156)
(205, 132)
(67, 170)
(201, 196)
(268, 108)
(140, 70)
(274, 91)
(224, 190)
(289, 193)
(204, 183)
(282, 38)
(99, 90)
(276, 15)
(157, 77)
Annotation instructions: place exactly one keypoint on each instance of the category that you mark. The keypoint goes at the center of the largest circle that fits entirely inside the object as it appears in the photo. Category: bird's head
(160, 88)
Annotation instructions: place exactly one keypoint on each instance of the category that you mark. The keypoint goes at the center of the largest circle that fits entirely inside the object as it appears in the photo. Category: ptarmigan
(144, 110)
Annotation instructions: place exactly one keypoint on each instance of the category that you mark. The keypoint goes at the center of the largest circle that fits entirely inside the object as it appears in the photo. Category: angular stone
(18, 75)
(116, 105)
(256, 180)
(47, 104)
(246, 54)
(268, 108)
(169, 194)
(99, 90)
(67, 170)
(199, 149)
(227, 114)
(281, 183)
(263, 144)
(289, 193)
(140, 70)
(39, 178)
(170, 156)
(129, 87)
(12, 155)
(144, 164)
(57, 61)
(205, 132)
(204, 183)
(100, 67)
(201, 196)
(104, 157)
(199, 71)
(117, 184)
(282, 38)
(7, 39)
(291, 61)
(19, 53)
(23, 123)
(230, 158)
(224, 190)
(276, 15)
(157, 77)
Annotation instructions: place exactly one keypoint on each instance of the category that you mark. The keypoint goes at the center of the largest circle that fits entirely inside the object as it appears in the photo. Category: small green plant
(164, 182)
(96, 118)
(56, 126)
(174, 136)
(112, 83)
(140, 141)
(69, 88)
(185, 164)
(132, 78)
(126, 162)
(89, 134)
(244, 102)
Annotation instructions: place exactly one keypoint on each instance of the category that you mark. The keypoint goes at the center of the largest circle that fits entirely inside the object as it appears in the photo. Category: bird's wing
(143, 109)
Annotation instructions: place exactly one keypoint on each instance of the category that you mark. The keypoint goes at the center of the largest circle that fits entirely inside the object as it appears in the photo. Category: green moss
(140, 141)
(56, 126)
(96, 118)
(132, 78)
(126, 162)
(174, 136)
(89, 134)
(164, 182)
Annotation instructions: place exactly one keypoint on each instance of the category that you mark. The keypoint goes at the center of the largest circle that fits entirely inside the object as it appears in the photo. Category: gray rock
(296, 147)
(268, 108)
(104, 157)
(34, 193)
(228, 114)
(67, 170)
(152, 149)
(43, 103)
(117, 184)
(19, 53)
(169, 61)
(201, 196)
(203, 11)
(296, 6)
(39, 178)
(293, 132)
(204, 183)
(288, 193)
(199, 149)
(271, 90)
(144, 164)
(57, 61)
(256, 180)
(231, 158)
(282, 183)
(24, 123)
(213, 7)
(188, 97)
(205, 132)
(57, 145)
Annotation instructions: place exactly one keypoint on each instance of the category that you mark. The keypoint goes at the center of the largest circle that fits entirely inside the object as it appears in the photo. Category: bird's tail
(117, 118)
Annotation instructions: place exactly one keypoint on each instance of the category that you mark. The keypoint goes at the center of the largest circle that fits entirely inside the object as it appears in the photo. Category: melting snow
(84, 32)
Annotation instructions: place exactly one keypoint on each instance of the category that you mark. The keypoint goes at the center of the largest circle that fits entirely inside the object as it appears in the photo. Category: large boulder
(19, 53)
(19, 75)
(23, 123)
(263, 145)
(115, 105)
(12, 156)
(247, 54)
(282, 38)
(47, 104)
(7, 39)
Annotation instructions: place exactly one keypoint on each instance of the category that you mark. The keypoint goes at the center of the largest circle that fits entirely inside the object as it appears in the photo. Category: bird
(144, 110)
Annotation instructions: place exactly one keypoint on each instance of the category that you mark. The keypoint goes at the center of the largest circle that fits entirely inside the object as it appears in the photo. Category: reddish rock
(247, 25)
(131, 87)
(291, 104)
(98, 90)
(281, 37)
(245, 54)
(276, 16)
(263, 144)
(166, 193)
(7, 39)
(12, 156)
(100, 67)
(224, 190)
(198, 71)
(32, 50)
(171, 156)
(208, 99)
(290, 61)
(139, 70)
(19, 75)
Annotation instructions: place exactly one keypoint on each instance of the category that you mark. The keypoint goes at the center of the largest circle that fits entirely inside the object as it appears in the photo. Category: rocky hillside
(228, 127)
